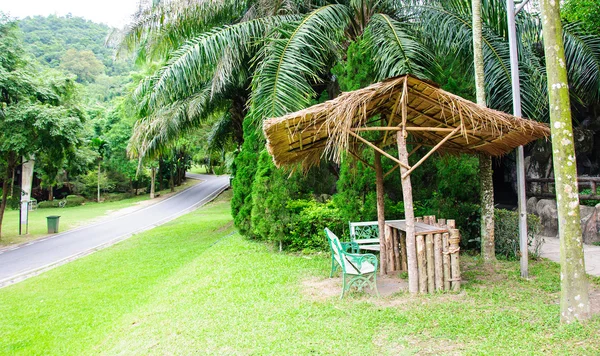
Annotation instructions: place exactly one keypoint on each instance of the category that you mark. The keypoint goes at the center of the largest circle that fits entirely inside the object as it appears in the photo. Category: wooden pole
(381, 213)
(409, 216)
(430, 263)
(454, 259)
(446, 259)
(437, 252)
(421, 264)
(389, 255)
(431, 151)
(403, 264)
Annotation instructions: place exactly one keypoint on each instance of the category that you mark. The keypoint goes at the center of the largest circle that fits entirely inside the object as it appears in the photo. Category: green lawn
(194, 286)
(70, 217)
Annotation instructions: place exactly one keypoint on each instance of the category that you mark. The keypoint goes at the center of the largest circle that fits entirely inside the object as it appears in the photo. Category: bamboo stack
(438, 257)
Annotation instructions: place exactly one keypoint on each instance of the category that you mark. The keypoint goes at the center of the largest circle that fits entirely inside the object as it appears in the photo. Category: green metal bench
(364, 235)
(357, 269)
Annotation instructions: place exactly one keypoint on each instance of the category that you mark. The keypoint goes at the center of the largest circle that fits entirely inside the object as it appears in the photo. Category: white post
(516, 91)
(26, 182)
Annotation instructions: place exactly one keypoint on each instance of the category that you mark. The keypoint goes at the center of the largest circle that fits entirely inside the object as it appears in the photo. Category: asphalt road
(41, 255)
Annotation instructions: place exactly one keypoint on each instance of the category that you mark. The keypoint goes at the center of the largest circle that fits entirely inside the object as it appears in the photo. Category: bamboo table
(437, 252)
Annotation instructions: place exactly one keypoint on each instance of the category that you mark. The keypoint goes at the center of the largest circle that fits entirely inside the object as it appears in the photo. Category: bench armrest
(357, 259)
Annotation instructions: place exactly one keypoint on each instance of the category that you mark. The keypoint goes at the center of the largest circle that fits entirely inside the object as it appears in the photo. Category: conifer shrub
(243, 170)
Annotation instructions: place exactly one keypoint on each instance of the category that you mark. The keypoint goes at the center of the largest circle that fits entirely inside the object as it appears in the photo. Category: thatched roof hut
(431, 114)
(405, 111)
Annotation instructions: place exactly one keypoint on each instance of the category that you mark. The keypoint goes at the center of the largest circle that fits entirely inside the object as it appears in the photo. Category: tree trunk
(98, 182)
(50, 193)
(486, 191)
(409, 215)
(383, 269)
(11, 163)
(486, 186)
(12, 182)
(171, 182)
(574, 297)
(152, 181)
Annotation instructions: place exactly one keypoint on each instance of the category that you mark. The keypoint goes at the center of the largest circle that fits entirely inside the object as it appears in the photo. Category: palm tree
(266, 56)
(446, 27)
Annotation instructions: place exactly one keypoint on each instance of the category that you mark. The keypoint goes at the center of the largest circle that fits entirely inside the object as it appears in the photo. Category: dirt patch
(325, 288)
(225, 227)
(595, 301)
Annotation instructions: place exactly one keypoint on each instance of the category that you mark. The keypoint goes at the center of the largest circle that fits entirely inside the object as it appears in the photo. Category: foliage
(309, 220)
(587, 12)
(87, 185)
(244, 168)
(49, 38)
(589, 202)
(83, 64)
(271, 190)
(506, 233)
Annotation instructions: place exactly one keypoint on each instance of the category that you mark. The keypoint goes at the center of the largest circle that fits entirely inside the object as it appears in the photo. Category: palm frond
(396, 50)
(196, 61)
(294, 56)
(582, 54)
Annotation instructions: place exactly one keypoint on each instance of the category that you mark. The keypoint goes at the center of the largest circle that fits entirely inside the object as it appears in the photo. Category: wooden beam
(361, 159)
(376, 128)
(370, 144)
(430, 152)
(396, 166)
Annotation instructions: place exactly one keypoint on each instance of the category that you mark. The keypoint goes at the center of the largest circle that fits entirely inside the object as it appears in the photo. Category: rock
(546, 210)
(590, 225)
(532, 205)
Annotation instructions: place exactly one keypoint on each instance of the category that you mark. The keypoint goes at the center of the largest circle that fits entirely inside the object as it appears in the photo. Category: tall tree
(485, 161)
(574, 297)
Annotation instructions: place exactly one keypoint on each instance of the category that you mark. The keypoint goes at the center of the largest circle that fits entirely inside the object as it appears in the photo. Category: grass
(199, 169)
(70, 217)
(195, 286)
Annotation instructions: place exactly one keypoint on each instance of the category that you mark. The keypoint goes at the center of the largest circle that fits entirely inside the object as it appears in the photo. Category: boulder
(546, 210)
(532, 205)
(590, 224)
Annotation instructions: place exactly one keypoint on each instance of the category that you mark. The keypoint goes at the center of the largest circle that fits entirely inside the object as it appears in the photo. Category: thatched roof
(330, 128)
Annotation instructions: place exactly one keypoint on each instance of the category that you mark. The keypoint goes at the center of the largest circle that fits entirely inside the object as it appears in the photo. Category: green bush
(308, 221)
(75, 200)
(48, 204)
(506, 233)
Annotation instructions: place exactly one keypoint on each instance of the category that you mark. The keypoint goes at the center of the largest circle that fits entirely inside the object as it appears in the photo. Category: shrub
(75, 200)
(308, 221)
(506, 233)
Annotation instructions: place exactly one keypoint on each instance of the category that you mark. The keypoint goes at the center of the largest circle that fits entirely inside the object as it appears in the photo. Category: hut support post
(409, 215)
(381, 214)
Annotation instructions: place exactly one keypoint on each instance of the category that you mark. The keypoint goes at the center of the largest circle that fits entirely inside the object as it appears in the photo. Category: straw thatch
(431, 113)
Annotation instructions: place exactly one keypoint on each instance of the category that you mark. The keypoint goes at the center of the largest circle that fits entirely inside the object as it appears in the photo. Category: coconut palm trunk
(486, 186)
(574, 297)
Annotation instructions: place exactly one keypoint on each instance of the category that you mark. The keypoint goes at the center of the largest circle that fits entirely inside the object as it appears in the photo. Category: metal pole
(516, 91)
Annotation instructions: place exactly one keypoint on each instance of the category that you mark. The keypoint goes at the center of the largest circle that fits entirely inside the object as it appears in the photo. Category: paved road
(29, 260)
(551, 250)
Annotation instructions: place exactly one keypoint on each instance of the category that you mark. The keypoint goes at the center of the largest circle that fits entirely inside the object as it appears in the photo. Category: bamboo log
(446, 259)
(403, 262)
(454, 258)
(389, 252)
(396, 244)
(419, 219)
(422, 264)
(441, 222)
(437, 253)
(433, 221)
(430, 263)
(451, 224)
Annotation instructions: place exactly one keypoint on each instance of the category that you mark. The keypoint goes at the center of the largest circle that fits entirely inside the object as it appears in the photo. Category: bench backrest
(364, 230)
(338, 252)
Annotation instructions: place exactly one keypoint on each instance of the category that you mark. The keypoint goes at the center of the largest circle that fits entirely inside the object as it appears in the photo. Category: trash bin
(52, 224)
